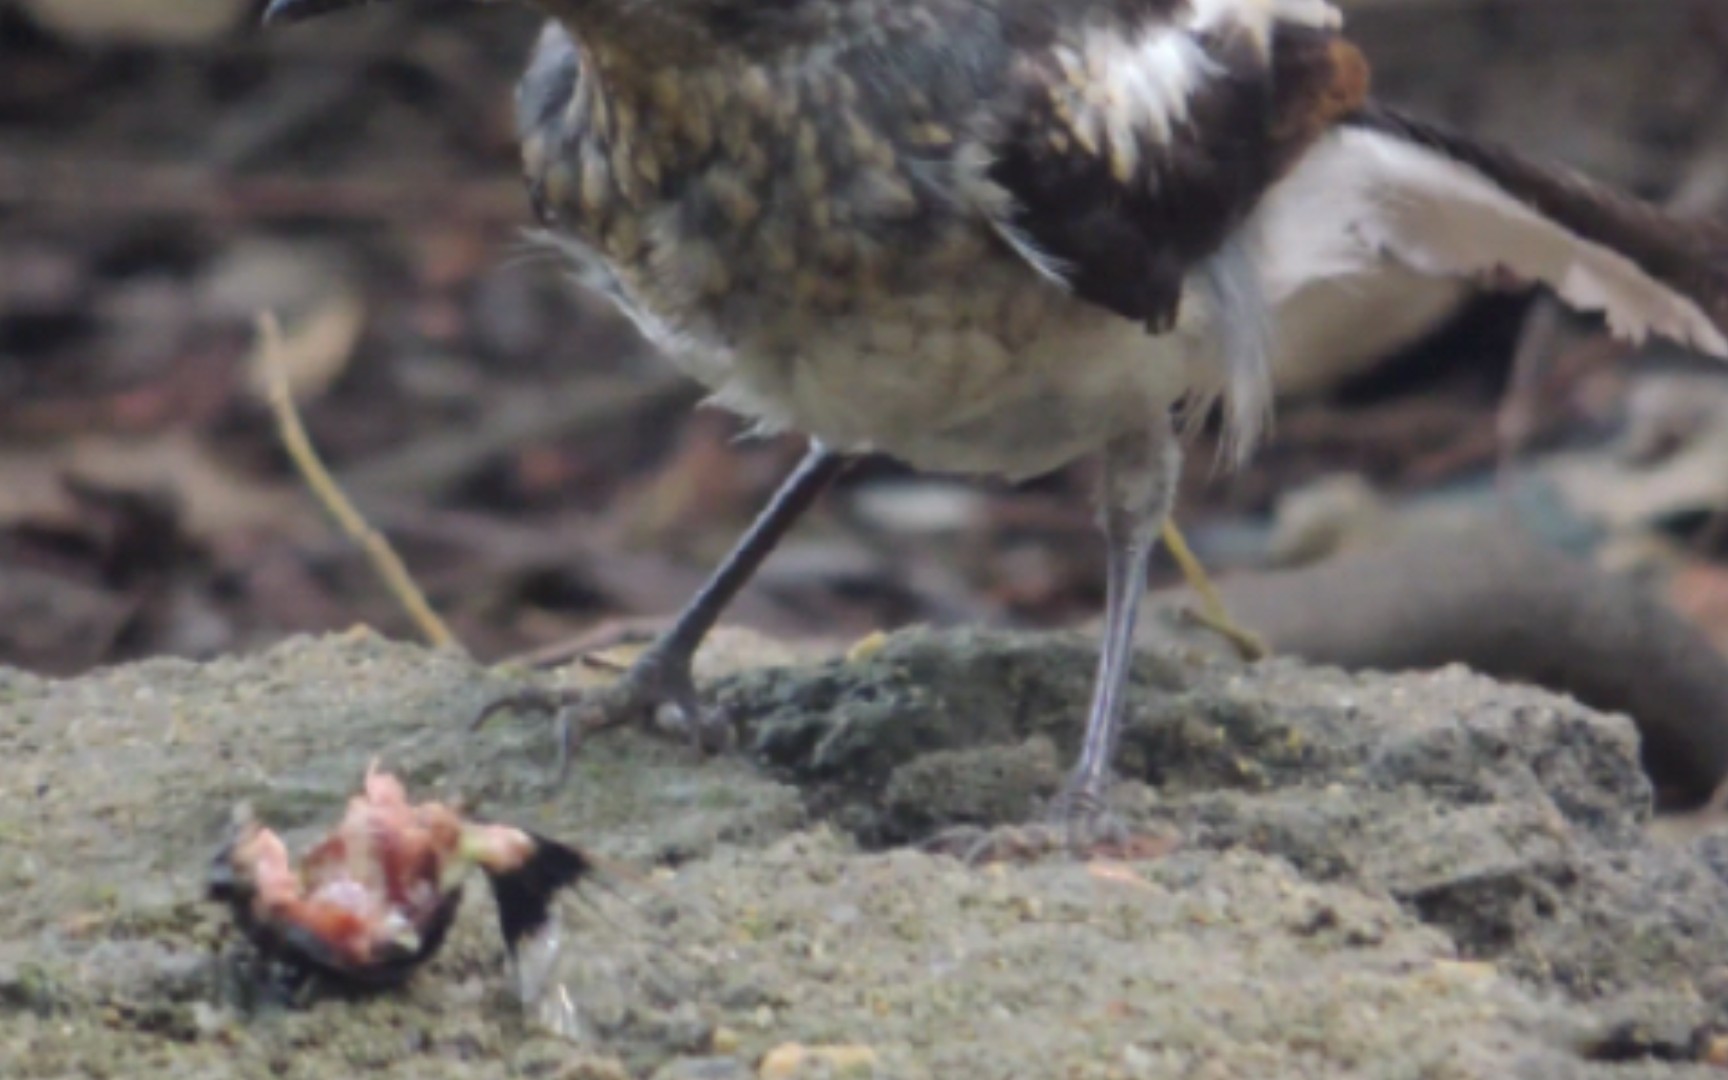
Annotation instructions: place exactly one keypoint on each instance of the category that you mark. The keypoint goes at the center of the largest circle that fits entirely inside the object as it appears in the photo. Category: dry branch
(383, 557)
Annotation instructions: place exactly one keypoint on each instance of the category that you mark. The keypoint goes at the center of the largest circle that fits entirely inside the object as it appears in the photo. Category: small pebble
(792, 1059)
(702, 1068)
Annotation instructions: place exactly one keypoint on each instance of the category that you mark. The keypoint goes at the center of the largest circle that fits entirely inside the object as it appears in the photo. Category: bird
(994, 237)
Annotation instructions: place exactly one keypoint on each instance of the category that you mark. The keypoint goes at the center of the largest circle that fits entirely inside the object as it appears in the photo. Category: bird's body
(983, 368)
(992, 236)
(878, 225)
(978, 235)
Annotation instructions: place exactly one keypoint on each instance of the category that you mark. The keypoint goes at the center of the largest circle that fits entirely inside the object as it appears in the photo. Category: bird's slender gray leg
(676, 649)
(1139, 486)
(663, 674)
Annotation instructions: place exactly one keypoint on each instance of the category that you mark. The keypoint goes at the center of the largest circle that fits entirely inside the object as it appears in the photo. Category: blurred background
(167, 171)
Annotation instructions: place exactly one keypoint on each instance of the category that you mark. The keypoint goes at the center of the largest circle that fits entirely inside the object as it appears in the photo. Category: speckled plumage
(941, 230)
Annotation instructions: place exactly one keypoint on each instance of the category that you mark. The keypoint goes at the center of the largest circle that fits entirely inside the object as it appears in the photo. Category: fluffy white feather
(1128, 93)
(1257, 16)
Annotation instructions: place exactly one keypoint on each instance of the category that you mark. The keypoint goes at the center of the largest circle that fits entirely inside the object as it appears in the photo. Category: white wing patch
(1258, 16)
(1360, 196)
(1128, 95)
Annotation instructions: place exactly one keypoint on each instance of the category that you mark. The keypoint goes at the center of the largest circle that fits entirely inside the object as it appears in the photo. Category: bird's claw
(655, 690)
(978, 845)
(1076, 822)
(1078, 812)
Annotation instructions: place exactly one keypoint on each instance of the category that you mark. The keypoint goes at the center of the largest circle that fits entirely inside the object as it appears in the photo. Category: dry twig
(378, 551)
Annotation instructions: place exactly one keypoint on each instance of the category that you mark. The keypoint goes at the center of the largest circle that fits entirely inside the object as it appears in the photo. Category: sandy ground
(1431, 876)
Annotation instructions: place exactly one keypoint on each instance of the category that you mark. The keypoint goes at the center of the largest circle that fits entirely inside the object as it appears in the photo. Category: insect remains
(375, 897)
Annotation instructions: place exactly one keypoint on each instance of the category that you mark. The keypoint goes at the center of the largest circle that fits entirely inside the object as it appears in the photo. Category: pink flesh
(376, 873)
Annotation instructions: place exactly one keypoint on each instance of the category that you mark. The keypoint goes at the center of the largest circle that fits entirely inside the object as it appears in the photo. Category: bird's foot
(1080, 815)
(979, 845)
(1077, 823)
(657, 689)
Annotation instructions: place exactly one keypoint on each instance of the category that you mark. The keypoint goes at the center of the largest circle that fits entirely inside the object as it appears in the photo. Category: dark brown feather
(1129, 244)
(1319, 78)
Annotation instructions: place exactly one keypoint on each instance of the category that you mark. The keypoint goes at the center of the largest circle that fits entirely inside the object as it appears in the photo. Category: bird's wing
(1385, 186)
(1141, 137)
(1142, 134)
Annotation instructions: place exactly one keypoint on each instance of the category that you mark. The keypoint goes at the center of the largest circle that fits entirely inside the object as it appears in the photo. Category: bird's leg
(1138, 488)
(1213, 615)
(662, 675)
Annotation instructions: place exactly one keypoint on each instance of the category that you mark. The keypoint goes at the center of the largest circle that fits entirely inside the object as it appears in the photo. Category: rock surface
(1419, 876)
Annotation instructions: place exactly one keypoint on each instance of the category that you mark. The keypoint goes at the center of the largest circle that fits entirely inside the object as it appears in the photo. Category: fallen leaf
(151, 22)
(212, 499)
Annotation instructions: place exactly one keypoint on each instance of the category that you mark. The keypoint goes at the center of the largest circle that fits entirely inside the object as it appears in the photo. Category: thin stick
(378, 550)
(1213, 615)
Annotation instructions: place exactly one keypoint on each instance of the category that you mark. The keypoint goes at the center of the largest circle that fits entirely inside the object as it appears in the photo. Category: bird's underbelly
(1010, 376)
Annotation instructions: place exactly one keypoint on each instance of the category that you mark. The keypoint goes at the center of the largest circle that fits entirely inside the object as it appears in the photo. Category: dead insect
(373, 899)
